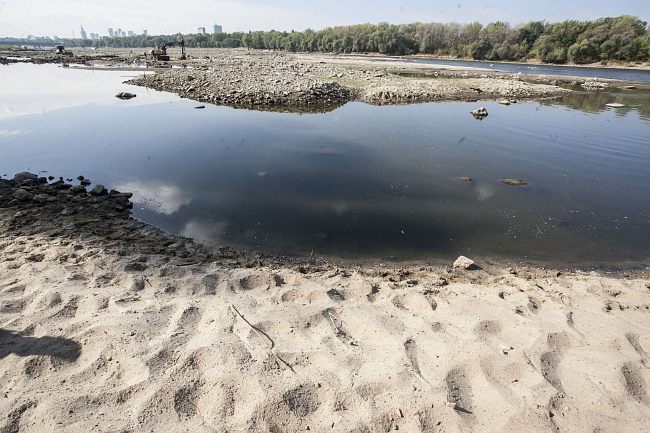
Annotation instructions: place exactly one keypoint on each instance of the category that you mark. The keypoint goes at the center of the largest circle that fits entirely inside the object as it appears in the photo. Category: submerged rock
(479, 113)
(125, 95)
(514, 182)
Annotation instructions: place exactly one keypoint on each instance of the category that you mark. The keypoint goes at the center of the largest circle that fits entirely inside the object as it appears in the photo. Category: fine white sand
(98, 340)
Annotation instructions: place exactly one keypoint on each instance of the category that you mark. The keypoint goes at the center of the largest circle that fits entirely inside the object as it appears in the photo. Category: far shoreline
(624, 66)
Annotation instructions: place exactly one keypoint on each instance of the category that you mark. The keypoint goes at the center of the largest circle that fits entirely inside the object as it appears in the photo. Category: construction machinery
(60, 50)
(160, 52)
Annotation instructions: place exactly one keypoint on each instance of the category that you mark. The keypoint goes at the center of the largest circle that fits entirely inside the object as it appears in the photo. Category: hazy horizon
(38, 17)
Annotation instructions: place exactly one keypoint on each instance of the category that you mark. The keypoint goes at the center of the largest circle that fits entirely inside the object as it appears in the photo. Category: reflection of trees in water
(595, 101)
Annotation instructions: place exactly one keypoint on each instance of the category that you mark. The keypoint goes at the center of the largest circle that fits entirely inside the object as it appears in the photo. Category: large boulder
(25, 175)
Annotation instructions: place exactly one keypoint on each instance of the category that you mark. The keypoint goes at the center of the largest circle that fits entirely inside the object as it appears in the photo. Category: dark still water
(357, 182)
(641, 76)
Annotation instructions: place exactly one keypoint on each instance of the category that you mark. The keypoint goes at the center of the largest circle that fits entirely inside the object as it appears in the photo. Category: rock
(85, 182)
(335, 295)
(125, 95)
(22, 195)
(68, 211)
(479, 113)
(98, 190)
(629, 87)
(78, 189)
(592, 85)
(514, 182)
(465, 263)
(199, 107)
(504, 102)
(615, 105)
(25, 175)
(41, 198)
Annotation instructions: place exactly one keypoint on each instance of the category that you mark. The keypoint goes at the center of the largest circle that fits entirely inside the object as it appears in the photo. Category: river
(358, 182)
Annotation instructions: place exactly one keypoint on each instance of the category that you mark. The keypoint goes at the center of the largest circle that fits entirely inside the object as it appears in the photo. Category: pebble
(465, 263)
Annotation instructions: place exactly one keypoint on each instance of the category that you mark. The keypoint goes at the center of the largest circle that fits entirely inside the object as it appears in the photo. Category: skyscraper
(200, 30)
(83, 34)
(131, 33)
(217, 29)
(110, 32)
(144, 32)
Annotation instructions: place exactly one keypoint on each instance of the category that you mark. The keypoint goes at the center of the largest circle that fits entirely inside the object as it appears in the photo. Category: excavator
(160, 52)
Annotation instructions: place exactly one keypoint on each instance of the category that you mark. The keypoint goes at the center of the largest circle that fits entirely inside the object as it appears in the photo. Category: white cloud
(156, 195)
(209, 232)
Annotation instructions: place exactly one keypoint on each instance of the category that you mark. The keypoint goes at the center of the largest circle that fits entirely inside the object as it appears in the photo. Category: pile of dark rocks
(28, 189)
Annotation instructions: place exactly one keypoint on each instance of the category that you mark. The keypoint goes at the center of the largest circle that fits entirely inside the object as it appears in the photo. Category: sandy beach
(111, 325)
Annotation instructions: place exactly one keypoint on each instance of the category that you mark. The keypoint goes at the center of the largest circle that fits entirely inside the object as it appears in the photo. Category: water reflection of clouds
(38, 89)
(157, 195)
(485, 191)
(209, 232)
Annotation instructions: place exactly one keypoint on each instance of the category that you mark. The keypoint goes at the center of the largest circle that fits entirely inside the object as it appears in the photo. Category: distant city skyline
(20, 18)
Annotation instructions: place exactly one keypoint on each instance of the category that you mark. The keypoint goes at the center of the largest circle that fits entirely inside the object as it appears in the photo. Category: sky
(63, 17)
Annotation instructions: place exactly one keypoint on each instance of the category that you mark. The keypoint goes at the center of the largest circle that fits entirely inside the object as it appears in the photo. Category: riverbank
(644, 66)
(110, 324)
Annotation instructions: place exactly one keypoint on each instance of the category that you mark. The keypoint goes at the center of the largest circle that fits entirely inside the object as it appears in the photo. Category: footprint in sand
(558, 342)
(633, 339)
(411, 349)
(459, 392)
(634, 382)
(485, 328)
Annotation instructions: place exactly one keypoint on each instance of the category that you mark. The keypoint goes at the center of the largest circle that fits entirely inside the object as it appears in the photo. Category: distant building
(122, 33)
(217, 29)
(200, 30)
(144, 32)
(110, 32)
(83, 34)
(131, 34)
(118, 34)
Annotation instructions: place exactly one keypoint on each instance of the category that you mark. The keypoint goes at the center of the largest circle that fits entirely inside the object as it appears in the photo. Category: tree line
(624, 38)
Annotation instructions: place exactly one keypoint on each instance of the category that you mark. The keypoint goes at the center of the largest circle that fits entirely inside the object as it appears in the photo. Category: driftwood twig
(259, 332)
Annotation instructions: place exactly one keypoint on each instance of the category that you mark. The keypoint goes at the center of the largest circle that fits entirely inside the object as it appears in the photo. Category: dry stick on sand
(259, 332)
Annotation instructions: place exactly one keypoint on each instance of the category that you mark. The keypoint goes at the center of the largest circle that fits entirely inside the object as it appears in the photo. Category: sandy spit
(110, 325)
